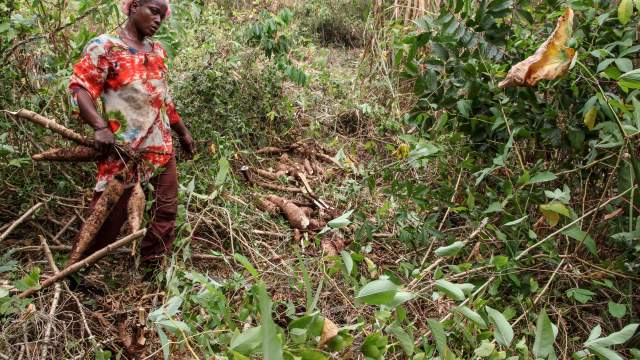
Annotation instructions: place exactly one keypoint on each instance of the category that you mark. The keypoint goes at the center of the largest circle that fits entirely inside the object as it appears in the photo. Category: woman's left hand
(188, 145)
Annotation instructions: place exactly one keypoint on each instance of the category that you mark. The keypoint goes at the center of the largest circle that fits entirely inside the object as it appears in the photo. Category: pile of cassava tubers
(84, 152)
(312, 215)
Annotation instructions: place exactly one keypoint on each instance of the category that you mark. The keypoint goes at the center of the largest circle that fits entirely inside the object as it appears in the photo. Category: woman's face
(148, 15)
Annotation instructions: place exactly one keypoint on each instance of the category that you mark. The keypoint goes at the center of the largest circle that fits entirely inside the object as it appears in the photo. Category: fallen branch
(21, 219)
(87, 261)
(277, 187)
(56, 297)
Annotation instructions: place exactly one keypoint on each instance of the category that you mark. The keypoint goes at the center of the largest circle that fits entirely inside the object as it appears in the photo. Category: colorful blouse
(135, 98)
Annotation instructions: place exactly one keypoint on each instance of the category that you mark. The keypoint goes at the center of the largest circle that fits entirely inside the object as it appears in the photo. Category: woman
(126, 70)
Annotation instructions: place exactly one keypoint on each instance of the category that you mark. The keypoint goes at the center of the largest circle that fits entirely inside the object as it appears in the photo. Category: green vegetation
(464, 220)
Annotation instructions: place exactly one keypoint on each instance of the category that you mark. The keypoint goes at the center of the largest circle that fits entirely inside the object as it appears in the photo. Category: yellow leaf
(552, 217)
(552, 212)
(625, 10)
(329, 331)
(590, 117)
(402, 152)
(552, 59)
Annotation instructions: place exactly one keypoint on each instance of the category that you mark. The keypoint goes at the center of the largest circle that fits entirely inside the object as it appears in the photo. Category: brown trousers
(161, 229)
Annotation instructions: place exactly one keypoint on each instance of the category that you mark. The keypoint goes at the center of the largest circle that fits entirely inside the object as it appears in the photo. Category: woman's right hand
(104, 140)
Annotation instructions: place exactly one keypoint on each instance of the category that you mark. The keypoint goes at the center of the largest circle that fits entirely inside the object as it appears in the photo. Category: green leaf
(464, 107)
(341, 221)
(494, 207)
(616, 338)
(373, 346)
(271, 344)
(552, 212)
(582, 296)
(439, 336)
(575, 233)
(503, 331)
(406, 341)
(605, 353)
(378, 292)
(450, 250)
(450, 289)
(312, 355)
(347, 261)
(400, 298)
(542, 177)
(164, 342)
(625, 10)
(486, 349)
(616, 310)
(630, 80)
(247, 265)
(516, 221)
(248, 341)
(543, 344)
(223, 171)
(30, 281)
(471, 315)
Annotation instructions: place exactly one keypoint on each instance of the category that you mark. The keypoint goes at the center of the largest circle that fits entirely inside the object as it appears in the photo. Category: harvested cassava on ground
(307, 167)
(307, 210)
(268, 174)
(267, 206)
(315, 224)
(333, 245)
(291, 211)
(92, 225)
(135, 207)
(74, 154)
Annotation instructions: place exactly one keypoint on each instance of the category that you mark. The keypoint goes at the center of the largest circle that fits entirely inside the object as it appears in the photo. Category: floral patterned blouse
(136, 102)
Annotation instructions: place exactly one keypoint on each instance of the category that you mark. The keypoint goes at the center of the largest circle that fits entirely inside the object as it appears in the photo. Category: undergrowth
(481, 222)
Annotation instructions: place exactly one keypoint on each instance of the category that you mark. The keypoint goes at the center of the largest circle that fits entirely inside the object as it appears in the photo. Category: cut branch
(20, 220)
(88, 261)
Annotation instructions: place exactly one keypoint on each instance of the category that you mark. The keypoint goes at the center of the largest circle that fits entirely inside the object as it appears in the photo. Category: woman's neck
(133, 36)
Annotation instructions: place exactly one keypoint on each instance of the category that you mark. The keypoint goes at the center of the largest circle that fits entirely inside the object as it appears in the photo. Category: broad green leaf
(543, 344)
(341, 221)
(494, 207)
(582, 296)
(312, 355)
(374, 345)
(3, 292)
(595, 333)
(247, 264)
(486, 349)
(616, 338)
(552, 212)
(164, 342)
(630, 79)
(400, 298)
(605, 353)
(347, 261)
(450, 289)
(450, 250)
(223, 171)
(471, 315)
(590, 117)
(174, 326)
(439, 336)
(503, 331)
(406, 341)
(575, 233)
(542, 177)
(378, 292)
(29, 281)
(616, 310)
(248, 341)
(625, 10)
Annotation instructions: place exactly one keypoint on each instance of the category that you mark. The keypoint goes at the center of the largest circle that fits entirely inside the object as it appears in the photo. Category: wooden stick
(87, 261)
(22, 218)
(277, 187)
(56, 297)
